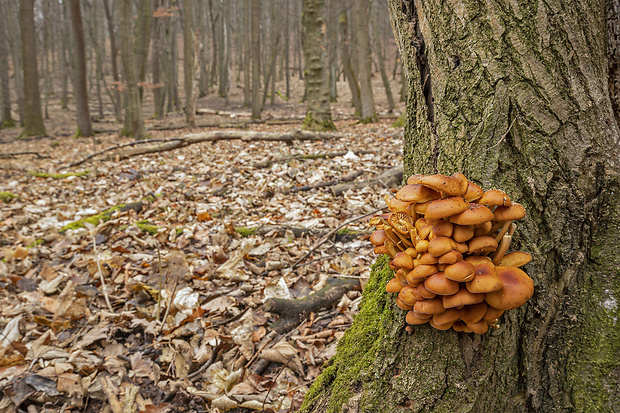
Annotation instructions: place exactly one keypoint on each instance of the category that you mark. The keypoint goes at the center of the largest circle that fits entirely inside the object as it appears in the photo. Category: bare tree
(85, 127)
(318, 112)
(347, 63)
(188, 62)
(256, 58)
(33, 116)
(360, 15)
(6, 120)
(116, 101)
(134, 120)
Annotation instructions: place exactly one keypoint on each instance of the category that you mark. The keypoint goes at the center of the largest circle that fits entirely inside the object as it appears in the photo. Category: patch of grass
(58, 176)
(7, 196)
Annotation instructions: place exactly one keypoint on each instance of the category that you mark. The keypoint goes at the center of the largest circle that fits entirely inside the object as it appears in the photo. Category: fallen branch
(287, 158)
(389, 178)
(14, 154)
(346, 178)
(112, 148)
(292, 310)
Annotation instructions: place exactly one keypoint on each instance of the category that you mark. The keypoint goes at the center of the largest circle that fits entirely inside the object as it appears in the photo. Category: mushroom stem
(512, 229)
(502, 249)
(501, 233)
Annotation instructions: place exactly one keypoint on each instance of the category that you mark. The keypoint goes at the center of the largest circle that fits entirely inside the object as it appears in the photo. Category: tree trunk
(247, 88)
(347, 64)
(134, 121)
(142, 40)
(318, 112)
(85, 127)
(256, 56)
(381, 58)
(360, 14)
(6, 120)
(33, 116)
(519, 100)
(113, 54)
(224, 58)
(188, 62)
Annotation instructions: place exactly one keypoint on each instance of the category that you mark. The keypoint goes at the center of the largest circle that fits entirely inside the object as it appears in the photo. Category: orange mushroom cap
(495, 197)
(473, 313)
(461, 271)
(440, 285)
(455, 185)
(509, 213)
(432, 306)
(485, 280)
(444, 208)
(517, 288)
(463, 297)
(475, 214)
(416, 193)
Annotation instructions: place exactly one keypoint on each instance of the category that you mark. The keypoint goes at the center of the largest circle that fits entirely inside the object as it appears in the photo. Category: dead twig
(14, 154)
(332, 232)
(103, 285)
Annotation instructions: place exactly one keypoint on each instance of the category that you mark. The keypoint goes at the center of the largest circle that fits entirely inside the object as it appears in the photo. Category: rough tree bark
(519, 100)
(85, 126)
(347, 63)
(318, 111)
(33, 116)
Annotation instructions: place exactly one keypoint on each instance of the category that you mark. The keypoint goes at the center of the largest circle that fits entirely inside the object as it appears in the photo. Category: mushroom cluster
(448, 240)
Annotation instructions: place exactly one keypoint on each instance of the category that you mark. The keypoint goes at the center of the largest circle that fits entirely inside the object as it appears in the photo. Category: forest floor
(159, 304)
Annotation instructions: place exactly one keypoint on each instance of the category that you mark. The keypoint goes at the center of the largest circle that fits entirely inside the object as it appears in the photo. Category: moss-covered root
(57, 176)
(358, 347)
(312, 124)
(7, 196)
(146, 226)
(103, 216)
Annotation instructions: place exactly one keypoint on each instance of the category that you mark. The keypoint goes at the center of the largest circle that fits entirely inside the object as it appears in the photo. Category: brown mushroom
(492, 314)
(515, 259)
(443, 228)
(402, 305)
(461, 271)
(444, 208)
(451, 257)
(417, 193)
(482, 245)
(448, 316)
(380, 249)
(462, 233)
(473, 313)
(475, 214)
(393, 286)
(485, 280)
(483, 229)
(422, 246)
(509, 213)
(517, 288)
(480, 327)
(378, 237)
(406, 295)
(401, 222)
(461, 298)
(440, 285)
(432, 306)
(455, 185)
(426, 294)
(502, 249)
(428, 259)
(396, 205)
(495, 197)
(473, 193)
(438, 246)
(440, 326)
(413, 319)
(461, 327)
(403, 260)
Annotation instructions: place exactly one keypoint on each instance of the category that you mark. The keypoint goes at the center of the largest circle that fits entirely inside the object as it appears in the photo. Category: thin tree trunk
(6, 119)
(347, 64)
(213, 20)
(360, 14)
(113, 59)
(318, 112)
(380, 54)
(84, 124)
(142, 40)
(156, 63)
(224, 58)
(256, 57)
(188, 62)
(15, 44)
(134, 121)
(287, 50)
(536, 119)
(33, 116)
(247, 88)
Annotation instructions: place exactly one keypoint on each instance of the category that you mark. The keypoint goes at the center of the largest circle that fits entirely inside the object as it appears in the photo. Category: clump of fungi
(448, 240)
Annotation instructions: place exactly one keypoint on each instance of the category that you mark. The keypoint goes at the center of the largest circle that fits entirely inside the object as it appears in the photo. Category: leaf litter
(157, 308)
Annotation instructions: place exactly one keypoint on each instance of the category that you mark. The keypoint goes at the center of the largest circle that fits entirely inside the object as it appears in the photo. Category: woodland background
(158, 223)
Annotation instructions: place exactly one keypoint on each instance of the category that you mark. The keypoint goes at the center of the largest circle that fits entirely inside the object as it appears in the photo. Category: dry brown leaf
(283, 352)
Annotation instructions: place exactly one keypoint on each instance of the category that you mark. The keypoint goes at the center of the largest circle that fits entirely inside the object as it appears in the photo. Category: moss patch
(358, 347)
(400, 122)
(102, 216)
(245, 231)
(58, 176)
(310, 123)
(146, 226)
(7, 196)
